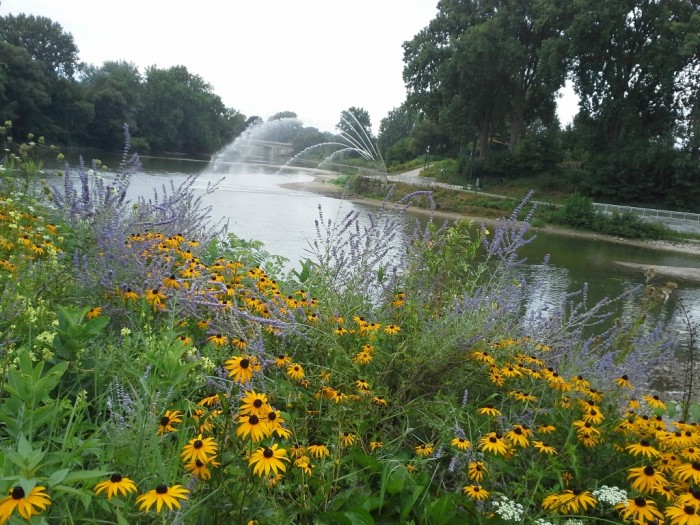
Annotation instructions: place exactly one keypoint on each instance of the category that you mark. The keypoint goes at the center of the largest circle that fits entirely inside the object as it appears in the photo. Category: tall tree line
(485, 69)
(45, 90)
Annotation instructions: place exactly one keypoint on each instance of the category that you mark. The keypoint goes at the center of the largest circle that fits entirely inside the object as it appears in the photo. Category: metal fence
(677, 220)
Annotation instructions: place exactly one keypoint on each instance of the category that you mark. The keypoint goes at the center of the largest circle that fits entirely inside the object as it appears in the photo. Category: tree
(44, 40)
(395, 126)
(282, 115)
(115, 90)
(355, 122)
(24, 91)
(480, 63)
(180, 113)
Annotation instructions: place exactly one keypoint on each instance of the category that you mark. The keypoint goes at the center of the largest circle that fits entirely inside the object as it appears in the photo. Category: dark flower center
(689, 510)
(115, 478)
(244, 363)
(257, 403)
(695, 465)
(649, 471)
(162, 489)
(624, 376)
(493, 439)
(576, 492)
(164, 421)
(199, 464)
(253, 420)
(518, 430)
(271, 416)
(17, 492)
(268, 453)
(640, 501)
(644, 443)
(198, 444)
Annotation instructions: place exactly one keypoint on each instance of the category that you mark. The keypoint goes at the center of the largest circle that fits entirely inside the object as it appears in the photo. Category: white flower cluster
(542, 521)
(610, 495)
(508, 510)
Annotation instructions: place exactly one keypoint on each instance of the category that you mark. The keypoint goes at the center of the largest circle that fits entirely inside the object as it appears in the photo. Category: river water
(257, 207)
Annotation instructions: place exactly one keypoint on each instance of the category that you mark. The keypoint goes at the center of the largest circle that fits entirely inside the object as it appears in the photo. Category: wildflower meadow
(157, 369)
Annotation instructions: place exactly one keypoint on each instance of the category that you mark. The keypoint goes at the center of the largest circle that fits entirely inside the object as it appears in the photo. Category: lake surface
(257, 207)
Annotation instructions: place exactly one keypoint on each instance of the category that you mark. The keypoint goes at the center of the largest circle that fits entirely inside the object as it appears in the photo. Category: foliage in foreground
(155, 371)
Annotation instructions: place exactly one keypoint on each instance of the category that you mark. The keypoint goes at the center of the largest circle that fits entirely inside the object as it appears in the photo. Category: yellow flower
(569, 501)
(379, 400)
(642, 448)
(686, 515)
(476, 492)
(253, 403)
(268, 459)
(655, 402)
(489, 410)
(254, 427)
(392, 329)
(519, 435)
(424, 449)
(374, 445)
(25, 504)
(242, 368)
(461, 443)
(347, 439)
(493, 444)
(623, 381)
(218, 339)
(688, 472)
(544, 448)
(199, 449)
(162, 494)
(477, 470)
(640, 510)
(166, 422)
(200, 469)
(282, 360)
(318, 450)
(646, 479)
(94, 312)
(114, 485)
(304, 464)
(295, 371)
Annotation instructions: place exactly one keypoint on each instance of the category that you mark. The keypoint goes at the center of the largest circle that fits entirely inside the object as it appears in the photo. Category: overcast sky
(313, 57)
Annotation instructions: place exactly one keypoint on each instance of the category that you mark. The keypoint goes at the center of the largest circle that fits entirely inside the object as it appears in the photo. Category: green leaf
(442, 511)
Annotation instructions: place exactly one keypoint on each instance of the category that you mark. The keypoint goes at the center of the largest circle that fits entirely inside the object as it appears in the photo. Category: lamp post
(427, 157)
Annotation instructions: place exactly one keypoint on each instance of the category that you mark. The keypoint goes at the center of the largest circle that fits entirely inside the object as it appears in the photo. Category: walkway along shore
(321, 184)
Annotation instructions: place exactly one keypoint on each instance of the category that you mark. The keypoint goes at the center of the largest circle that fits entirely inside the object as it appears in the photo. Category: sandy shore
(322, 185)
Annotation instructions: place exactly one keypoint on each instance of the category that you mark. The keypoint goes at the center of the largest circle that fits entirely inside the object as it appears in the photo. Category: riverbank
(321, 184)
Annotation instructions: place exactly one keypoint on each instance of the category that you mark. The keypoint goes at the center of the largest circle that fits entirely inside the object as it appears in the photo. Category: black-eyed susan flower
(362, 385)
(252, 426)
(209, 400)
(544, 448)
(690, 454)
(318, 450)
(688, 472)
(94, 312)
(115, 485)
(162, 494)
(268, 460)
(519, 435)
(347, 438)
(27, 505)
(493, 443)
(682, 515)
(254, 403)
(654, 401)
(476, 492)
(375, 445)
(642, 448)
(282, 360)
(297, 450)
(295, 371)
(274, 420)
(569, 501)
(477, 470)
(363, 358)
(645, 479)
(218, 339)
(624, 382)
(304, 464)
(392, 329)
(546, 429)
(461, 443)
(155, 297)
(199, 448)
(171, 282)
(166, 422)
(242, 368)
(201, 469)
(379, 401)
(424, 449)
(639, 510)
(489, 410)
(691, 497)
